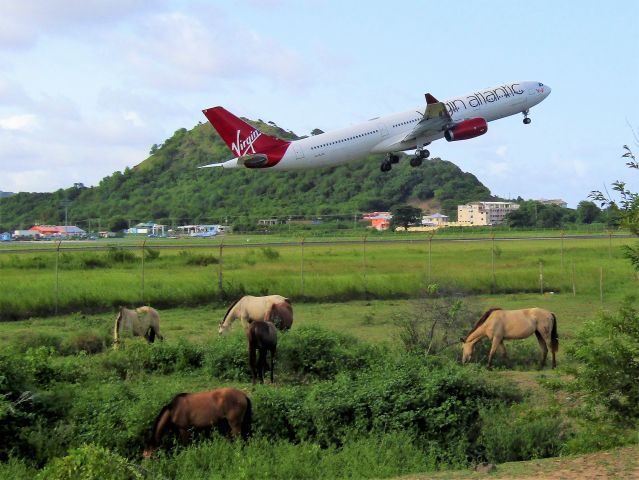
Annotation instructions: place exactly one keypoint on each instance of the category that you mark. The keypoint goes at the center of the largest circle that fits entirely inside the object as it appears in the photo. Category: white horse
(251, 309)
(141, 322)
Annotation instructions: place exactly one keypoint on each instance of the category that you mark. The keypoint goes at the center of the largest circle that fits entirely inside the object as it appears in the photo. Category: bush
(521, 432)
(87, 341)
(607, 349)
(90, 462)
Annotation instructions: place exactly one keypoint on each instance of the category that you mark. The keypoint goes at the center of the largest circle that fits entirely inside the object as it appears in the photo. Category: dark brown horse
(262, 337)
(202, 410)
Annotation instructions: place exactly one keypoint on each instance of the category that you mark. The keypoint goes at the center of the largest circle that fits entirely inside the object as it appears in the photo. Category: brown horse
(499, 325)
(262, 337)
(251, 309)
(141, 322)
(202, 410)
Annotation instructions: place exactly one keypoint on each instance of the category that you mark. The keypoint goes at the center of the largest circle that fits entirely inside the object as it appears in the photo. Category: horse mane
(118, 322)
(231, 308)
(483, 319)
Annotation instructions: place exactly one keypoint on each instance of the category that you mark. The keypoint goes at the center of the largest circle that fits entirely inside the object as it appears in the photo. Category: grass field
(90, 396)
(32, 285)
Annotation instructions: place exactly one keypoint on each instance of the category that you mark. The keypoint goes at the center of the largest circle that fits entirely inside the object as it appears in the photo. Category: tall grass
(98, 281)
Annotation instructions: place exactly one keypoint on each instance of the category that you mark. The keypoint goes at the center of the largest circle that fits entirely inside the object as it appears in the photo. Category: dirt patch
(621, 463)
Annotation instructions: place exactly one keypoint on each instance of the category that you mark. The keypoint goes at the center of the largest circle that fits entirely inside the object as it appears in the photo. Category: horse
(499, 325)
(262, 337)
(141, 322)
(251, 309)
(223, 408)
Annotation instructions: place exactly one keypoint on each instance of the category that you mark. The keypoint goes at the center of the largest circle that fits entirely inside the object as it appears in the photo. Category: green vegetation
(101, 281)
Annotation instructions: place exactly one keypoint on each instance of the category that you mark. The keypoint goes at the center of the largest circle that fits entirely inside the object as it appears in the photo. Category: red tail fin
(241, 138)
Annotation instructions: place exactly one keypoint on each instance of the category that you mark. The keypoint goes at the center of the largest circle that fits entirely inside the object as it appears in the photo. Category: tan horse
(499, 325)
(141, 322)
(251, 309)
(203, 410)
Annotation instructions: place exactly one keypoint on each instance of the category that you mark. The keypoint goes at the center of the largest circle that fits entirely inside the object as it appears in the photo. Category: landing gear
(387, 164)
(526, 119)
(422, 153)
(415, 161)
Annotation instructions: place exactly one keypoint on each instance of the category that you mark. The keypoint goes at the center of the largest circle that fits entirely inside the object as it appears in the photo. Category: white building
(435, 220)
(484, 213)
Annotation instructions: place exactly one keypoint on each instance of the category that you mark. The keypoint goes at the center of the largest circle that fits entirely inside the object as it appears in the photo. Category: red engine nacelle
(471, 128)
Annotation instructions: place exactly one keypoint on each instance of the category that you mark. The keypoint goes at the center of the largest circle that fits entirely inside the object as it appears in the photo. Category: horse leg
(184, 435)
(493, 348)
(252, 361)
(544, 349)
(262, 364)
(272, 364)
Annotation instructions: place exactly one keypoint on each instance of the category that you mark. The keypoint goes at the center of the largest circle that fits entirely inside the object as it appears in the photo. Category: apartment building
(484, 213)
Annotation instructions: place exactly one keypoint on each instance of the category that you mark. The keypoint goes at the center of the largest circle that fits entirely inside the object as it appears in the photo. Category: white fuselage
(385, 134)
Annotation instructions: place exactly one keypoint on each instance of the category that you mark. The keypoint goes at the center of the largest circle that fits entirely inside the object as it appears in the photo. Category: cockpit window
(541, 84)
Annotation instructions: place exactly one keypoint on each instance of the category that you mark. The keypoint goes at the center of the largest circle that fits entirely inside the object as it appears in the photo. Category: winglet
(430, 99)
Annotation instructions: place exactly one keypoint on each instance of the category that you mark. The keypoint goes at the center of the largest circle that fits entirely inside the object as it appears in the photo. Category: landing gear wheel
(422, 153)
(392, 158)
(415, 161)
(386, 166)
(527, 121)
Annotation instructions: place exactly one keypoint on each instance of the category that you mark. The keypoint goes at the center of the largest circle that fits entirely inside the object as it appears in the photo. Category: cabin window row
(345, 139)
(405, 123)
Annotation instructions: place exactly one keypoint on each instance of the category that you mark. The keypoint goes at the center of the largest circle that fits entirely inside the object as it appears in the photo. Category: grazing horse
(499, 325)
(202, 410)
(251, 309)
(262, 337)
(141, 322)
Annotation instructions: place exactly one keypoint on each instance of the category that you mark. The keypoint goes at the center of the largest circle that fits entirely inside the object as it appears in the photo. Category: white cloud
(133, 118)
(18, 122)
(179, 50)
(501, 151)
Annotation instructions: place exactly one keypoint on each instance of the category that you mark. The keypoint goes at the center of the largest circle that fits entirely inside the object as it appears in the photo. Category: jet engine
(471, 128)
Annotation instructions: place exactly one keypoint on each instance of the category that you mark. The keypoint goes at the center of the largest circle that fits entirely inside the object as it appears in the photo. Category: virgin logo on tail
(242, 147)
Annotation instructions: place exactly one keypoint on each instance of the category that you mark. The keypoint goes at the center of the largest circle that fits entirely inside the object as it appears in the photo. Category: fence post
(57, 281)
(220, 278)
(302, 269)
(574, 287)
(365, 277)
(143, 244)
(563, 234)
(492, 252)
(601, 284)
(431, 234)
(541, 278)
(609, 244)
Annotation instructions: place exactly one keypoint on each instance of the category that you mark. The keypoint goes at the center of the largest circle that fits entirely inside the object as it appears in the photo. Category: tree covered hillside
(168, 187)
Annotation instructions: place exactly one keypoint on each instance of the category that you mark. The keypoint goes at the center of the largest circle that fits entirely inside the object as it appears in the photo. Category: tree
(118, 224)
(627, 205)
(316, 131)
(404, 215)
(588, 212)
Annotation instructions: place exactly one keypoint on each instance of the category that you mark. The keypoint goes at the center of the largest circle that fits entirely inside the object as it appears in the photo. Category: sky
(86, 88)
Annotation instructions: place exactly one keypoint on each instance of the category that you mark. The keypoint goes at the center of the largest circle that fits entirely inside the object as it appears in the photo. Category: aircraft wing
(434, 120)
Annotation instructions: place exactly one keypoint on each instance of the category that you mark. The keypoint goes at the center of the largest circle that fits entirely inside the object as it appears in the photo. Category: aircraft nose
(547, 90)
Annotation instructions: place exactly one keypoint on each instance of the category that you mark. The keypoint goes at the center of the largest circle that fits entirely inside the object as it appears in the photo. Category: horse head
(467, 350)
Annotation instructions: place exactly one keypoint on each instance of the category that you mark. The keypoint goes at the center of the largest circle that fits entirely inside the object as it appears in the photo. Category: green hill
(168, 187)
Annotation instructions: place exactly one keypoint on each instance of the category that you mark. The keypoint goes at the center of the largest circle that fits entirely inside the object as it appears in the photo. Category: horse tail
(247, 421)
(150, 334)
(116, 330)
(554, 338)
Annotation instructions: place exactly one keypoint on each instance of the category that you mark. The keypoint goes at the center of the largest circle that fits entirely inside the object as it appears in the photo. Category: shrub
(270, 254)
(607, 349)
(88, 462)
(521, 432)
(27, 340)
(85, 341)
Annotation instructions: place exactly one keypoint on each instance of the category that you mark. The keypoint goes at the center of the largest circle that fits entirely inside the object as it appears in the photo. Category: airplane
(459, 118)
